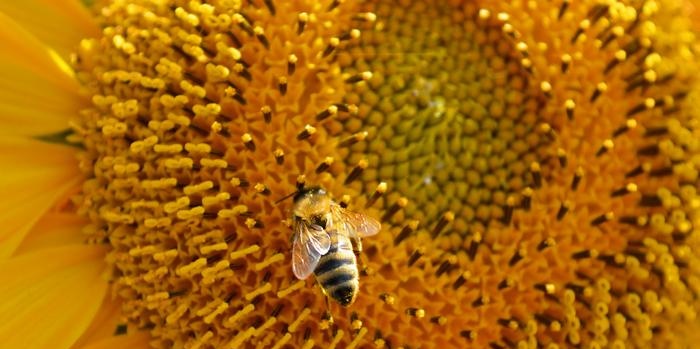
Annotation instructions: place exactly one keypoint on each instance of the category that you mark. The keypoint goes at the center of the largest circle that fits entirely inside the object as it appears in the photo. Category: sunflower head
(535, 168)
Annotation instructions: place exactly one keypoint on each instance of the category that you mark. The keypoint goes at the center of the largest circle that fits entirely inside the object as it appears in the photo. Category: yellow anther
(233, 212)
(193, 212)
(141, 251)
(222, 246)
(271, 321)
(178, 163)
(232, 320)
(336, 339)
(155, 297)
(191, 268)
(203, 148)
(241, 338)
(197, 188)
(293, 287)
(280, 343)
(177, 314)
(297, 322)
(174, 206)
(213, 163)
(215, 199)
(244, 252)
(355, 341)
(216, 312)
(264, 264)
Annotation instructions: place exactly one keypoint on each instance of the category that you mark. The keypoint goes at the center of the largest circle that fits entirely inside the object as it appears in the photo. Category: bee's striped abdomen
(337, 271)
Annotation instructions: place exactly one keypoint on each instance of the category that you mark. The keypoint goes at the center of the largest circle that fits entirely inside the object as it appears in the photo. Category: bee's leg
(357, 245)
(327, 319)
(328, 316)
(357, 250)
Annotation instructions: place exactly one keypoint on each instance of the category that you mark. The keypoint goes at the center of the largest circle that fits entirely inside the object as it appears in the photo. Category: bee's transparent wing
(310, 243)
(355, 224)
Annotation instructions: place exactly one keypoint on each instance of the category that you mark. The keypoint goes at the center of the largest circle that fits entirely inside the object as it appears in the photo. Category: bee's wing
(310, 243)
(355, 224)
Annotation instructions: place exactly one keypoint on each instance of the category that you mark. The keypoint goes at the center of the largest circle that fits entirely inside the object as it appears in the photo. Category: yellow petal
(54, 229)
(137, 340)
(37, 91)
(104, 325)
(34, 176)
(50, 296)
(58, 23)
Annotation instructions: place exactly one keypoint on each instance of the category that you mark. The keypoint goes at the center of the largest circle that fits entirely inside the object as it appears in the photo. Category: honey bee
(322, 243)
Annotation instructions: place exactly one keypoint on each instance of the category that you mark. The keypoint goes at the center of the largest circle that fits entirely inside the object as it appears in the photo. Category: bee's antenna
(287, 197)
(301, 180)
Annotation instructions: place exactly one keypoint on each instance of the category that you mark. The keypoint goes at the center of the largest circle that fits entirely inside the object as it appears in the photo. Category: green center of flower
(453, 118)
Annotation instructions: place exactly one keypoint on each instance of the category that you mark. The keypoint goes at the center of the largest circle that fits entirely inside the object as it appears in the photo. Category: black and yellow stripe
(337, 271)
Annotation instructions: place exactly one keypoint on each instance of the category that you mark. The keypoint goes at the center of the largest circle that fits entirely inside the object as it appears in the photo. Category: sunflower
(534, 166)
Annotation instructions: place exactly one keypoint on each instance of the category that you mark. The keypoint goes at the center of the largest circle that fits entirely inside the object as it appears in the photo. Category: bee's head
(312, 205)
